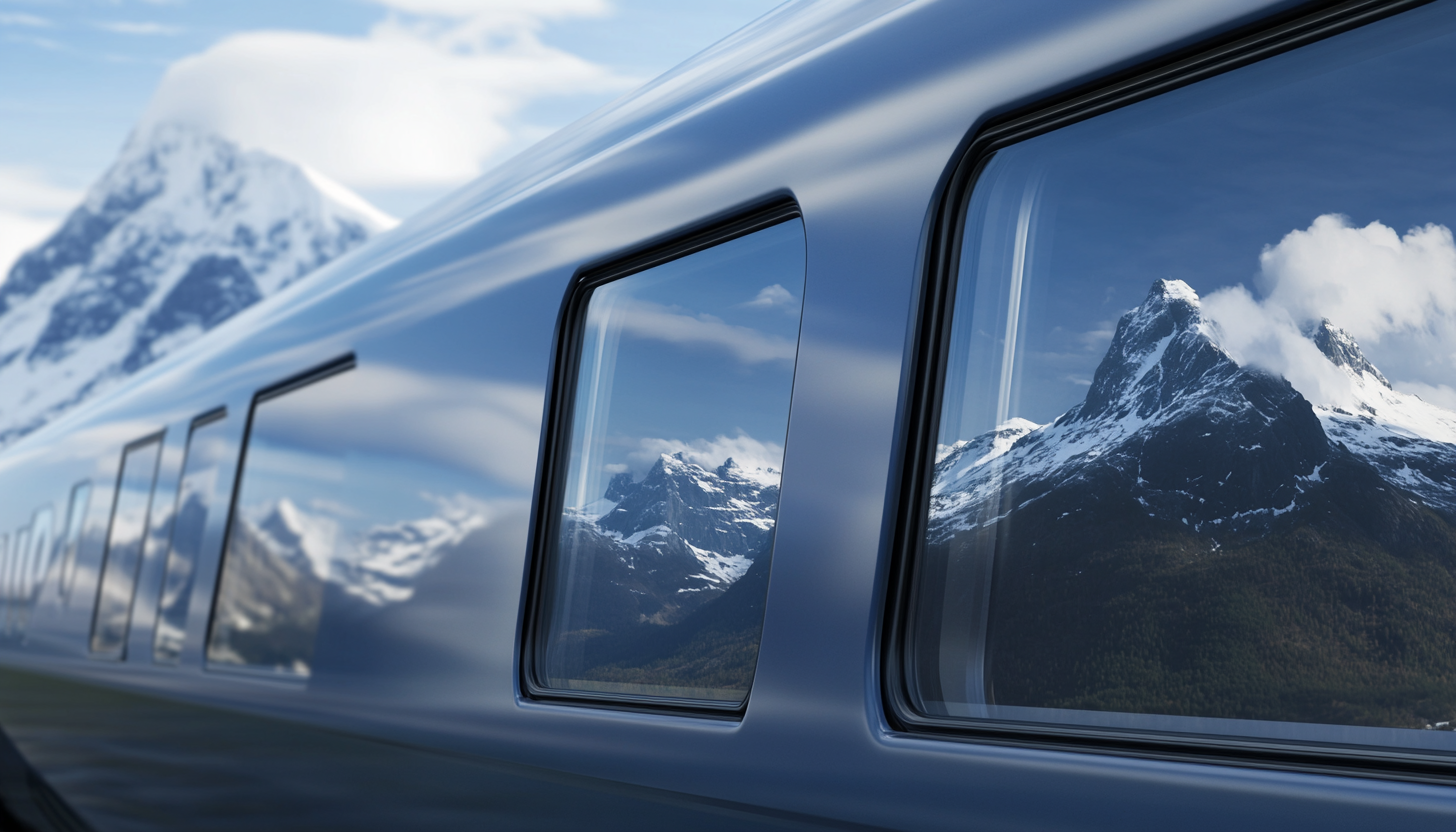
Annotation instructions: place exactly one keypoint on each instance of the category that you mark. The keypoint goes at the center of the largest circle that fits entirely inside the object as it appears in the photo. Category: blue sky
(402, 100)
(695, 356)
(1220, 185)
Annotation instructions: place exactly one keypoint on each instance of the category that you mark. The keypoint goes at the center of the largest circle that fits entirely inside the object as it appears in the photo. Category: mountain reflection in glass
(277, 558)
(660, 569)
(1197, 452)
(124, 541)
(207, 454)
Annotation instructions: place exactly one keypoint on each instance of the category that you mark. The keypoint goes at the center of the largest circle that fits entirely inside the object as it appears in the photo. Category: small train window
(277, 558)
(71, 535)
(657, 556)
(1195, 470)
(130, 514)
(207, 462)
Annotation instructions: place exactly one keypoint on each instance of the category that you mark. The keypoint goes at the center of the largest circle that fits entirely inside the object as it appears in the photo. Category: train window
(32, 565)
(656, 566)
(129, 518)
(1195, 466)
(5, 595)
(71, 541)
(14, 580)
(278, 554)
(206, 460)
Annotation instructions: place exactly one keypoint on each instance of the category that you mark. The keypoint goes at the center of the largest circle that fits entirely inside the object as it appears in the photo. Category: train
(905, 414)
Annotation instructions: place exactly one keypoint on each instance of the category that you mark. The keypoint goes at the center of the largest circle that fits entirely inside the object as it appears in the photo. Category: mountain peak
(1343, 351)
(184, 230)
(1159, 349)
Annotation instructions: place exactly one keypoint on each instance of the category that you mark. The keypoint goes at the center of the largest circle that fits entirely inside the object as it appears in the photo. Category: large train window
(666, 479)
(208, 453)
(129, 519)
(1190, 470)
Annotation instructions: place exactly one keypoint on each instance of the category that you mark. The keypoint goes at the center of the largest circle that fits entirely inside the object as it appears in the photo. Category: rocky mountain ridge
(182, 232)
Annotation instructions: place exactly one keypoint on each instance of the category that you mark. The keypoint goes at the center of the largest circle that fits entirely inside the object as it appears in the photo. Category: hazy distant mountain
(1197, 538)
(183, 231)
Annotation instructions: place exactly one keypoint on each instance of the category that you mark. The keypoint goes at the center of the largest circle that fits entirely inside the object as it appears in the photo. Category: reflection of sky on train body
(199, 499)
(365, 478)
(1196, 184)
(719, 326)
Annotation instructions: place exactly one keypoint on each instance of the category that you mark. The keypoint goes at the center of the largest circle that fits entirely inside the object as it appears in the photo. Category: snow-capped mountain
(183, 231)
(1170, 420)
(1411, 442)
(680, 537)
(1173, 421)
(1198, 538)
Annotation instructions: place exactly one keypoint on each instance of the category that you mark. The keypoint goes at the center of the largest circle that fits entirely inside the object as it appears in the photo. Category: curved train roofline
(424, 700)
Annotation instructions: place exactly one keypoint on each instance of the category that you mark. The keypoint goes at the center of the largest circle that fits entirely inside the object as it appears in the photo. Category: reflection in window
(278, 554)
(660, 566)
(124, 546)
(70, 543)
(1197, 452)
(32, 566)
(5, 594)
(197, 495)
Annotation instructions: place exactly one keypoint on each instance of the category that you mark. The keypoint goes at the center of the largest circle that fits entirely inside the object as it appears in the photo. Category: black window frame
(926, 365)
(556, 446)
(119, 654)
(210, 417)
(317, 373)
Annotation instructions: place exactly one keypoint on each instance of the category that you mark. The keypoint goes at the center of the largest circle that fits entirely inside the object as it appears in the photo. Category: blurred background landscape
(165, 164)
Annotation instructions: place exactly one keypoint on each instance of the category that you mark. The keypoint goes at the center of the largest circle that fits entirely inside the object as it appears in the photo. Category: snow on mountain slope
(720, 517)
(1411, 442)
(1170, 419)
(182, 232)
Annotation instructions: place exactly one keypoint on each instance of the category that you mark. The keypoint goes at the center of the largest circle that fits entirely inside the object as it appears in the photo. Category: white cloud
(650, 320)
(1369, 281)
(30, 209)
(1264, 335)
(1374, 283)
(122, 27)
(1440, 395)
(426, 98)
(22, 19)
(771, 296)
(491, 428)
(748, 453)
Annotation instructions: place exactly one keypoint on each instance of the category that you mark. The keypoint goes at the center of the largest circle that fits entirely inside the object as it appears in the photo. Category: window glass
(1196, 467)
(208, 452)
(659, 566)
(75, 518)
(129, 517)
(5, 594)
(35, 562)
(15, 579)
(277, 558)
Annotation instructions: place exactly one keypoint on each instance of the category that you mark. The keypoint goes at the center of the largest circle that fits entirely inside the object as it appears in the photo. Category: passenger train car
(907, 414)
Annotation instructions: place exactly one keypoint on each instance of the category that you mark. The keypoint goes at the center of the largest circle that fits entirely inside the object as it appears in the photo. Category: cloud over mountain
(426, 97)
(1380, 286)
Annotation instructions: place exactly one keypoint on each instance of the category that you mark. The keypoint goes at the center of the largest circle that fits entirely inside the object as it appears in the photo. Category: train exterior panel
(412, 406)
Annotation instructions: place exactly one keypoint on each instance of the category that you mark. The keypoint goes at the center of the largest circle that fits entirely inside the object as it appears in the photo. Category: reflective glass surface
(660, 566)
(124, 547)
(71, 535)
(208, 450)
(34, 563)
(1197, 453)
(353, 489)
